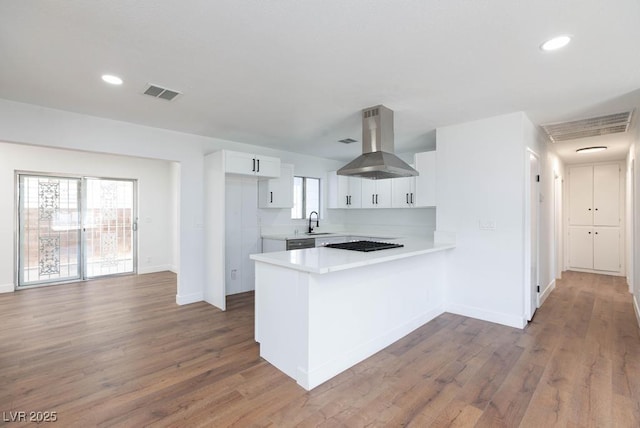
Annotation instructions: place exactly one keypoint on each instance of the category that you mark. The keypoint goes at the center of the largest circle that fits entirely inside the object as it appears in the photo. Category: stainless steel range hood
(377, 160)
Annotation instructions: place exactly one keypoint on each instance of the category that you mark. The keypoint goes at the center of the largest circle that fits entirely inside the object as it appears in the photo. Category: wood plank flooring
(120, 352)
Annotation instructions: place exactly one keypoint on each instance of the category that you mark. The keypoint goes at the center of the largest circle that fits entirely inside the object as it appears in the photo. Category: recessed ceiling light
(114, 80)
(591, 149)
(555, 43)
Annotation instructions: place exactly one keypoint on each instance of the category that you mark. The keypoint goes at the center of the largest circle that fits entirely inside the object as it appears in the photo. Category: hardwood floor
(120, 352)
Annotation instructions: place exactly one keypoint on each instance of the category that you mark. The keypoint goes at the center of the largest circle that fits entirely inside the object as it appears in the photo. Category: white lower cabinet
(594, 248)
(273, 245)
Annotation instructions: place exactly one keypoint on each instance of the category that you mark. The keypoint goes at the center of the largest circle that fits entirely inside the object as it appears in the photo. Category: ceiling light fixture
(591, 149)
(555, 43)
(114, 80)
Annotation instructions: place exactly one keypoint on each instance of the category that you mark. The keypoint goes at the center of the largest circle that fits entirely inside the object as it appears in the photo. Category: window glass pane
(298, 209)
(312, 195)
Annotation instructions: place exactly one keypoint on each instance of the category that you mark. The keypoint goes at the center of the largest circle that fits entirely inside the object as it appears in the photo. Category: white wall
(34, 125)
(481, 171)
(154, 204)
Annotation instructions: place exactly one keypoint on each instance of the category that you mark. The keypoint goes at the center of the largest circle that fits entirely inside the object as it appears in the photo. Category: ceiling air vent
(347, 141)
(602, 125)
(160, 92)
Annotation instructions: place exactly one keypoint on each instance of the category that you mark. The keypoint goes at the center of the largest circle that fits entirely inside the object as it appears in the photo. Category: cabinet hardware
(407, 198)
(271, 196)
(346, 200)
(258, 170)
(376, 199)
(373, 199)
(589, 233)
(596, 233)
(412, 198)
(596, 209)
(589, 209)
(254, 165)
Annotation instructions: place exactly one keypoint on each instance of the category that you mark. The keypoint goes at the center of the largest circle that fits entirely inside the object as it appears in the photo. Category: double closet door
(74, 228)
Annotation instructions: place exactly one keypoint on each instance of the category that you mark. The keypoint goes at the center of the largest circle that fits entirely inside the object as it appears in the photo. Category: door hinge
(538, 288)
(538, 178)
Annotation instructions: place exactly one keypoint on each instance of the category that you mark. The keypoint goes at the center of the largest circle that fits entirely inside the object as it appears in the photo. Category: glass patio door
(49, 230)
(73, 228)
(109, 227)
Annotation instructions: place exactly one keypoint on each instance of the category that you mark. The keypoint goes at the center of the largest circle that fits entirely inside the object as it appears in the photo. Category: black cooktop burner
(364, 246)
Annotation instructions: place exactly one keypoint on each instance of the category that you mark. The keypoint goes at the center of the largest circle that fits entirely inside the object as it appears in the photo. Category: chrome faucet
(317, 220)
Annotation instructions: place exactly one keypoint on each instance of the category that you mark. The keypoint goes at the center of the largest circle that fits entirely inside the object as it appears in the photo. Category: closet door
(581, 195)
(606, 248)
(581, 247)
(606, 195)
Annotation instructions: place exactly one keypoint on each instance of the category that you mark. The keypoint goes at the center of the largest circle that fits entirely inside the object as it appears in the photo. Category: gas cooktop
(365, 246)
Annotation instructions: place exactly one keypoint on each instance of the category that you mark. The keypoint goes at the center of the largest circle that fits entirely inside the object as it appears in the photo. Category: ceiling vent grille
(602, 125)
(160, 92)
(347, 141)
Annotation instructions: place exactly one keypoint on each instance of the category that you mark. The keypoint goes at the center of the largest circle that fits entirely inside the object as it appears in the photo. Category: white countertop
(302, 235)
(324, 260)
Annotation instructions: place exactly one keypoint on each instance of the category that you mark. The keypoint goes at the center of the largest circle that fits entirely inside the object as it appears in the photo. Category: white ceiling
(294, 75)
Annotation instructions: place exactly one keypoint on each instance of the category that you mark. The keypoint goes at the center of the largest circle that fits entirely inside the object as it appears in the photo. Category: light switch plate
(487, 224)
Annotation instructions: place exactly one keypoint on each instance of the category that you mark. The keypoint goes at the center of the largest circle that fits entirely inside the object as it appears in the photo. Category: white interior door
(531, 302)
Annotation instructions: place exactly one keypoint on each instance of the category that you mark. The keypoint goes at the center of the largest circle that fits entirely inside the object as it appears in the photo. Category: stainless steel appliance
(364, 246)
(296, 244)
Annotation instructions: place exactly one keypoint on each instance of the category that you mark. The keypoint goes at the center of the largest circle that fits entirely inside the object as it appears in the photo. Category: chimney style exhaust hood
(377, 160)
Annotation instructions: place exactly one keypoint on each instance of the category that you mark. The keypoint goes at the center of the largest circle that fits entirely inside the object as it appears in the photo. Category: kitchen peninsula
(322, 310)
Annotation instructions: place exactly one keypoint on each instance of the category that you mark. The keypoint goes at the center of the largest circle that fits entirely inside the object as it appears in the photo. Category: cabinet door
(239, 163)
(606, 195)
(581, 247)
(383, 193)
(425, 182)
(354, 185)
(581, 195)
(402, 192)
(267, 166)
(606, 248)
(277, 192)
(342, 195)
(368, 193)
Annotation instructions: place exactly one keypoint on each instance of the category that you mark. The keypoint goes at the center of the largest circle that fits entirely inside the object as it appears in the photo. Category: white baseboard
(189, 298)
(7, 288)
(481, 314)
(637, 308)
(153, 269)
(319, 375)
(598, 272)
(174, 269)
(545, 293)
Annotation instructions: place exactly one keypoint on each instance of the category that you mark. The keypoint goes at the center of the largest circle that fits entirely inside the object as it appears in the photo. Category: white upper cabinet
(277, 192)
(250, 164)
(376, 193)
(425, 183)
(594, 195)
(403, 192)
(343, 191)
